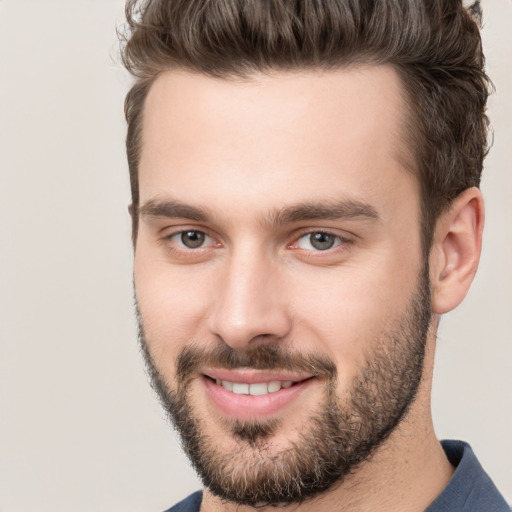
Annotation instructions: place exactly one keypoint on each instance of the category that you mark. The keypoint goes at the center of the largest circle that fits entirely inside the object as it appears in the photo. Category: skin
(243, 151)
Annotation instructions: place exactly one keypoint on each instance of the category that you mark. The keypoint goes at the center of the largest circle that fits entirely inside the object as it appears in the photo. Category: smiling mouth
(250, 395)
(254, 389)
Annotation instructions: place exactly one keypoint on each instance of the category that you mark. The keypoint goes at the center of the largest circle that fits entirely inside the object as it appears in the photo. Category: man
(305, 206)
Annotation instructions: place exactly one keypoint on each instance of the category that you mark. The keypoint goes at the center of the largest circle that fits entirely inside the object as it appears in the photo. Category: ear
(456, 250)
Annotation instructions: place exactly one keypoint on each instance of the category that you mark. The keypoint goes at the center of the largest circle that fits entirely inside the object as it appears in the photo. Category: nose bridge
(250, 303)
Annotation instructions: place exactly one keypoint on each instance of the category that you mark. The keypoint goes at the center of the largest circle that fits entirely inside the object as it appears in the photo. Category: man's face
(283, 299)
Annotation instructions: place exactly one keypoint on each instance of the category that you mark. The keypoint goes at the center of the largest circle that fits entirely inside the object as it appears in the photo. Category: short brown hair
(434, 45)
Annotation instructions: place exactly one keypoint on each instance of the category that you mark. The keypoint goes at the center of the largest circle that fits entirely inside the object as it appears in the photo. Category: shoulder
(470, 488)
(190, 504)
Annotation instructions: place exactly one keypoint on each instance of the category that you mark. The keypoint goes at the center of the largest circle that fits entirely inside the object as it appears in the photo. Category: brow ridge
(307, 211)
(324, 210)
(172, 209)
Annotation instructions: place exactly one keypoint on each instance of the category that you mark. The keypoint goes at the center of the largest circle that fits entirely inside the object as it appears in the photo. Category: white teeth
(227, 385)
(240, 389)
(274, 386)
(257, 389)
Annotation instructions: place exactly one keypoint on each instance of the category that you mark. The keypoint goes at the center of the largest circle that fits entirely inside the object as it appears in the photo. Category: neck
(406, 478)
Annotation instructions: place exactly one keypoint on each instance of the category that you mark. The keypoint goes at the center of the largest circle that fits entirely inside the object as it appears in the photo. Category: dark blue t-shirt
(469, 490)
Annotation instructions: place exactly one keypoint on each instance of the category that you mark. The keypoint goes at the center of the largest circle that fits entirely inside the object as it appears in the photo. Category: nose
(251, 306)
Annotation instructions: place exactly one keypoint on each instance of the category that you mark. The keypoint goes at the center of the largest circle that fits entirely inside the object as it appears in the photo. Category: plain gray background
(79, 426)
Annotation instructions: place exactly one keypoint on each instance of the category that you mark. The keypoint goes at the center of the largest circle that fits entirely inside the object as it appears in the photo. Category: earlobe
(456, 250)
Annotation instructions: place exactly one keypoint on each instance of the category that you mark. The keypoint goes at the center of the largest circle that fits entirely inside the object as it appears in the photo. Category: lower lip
(250, 407)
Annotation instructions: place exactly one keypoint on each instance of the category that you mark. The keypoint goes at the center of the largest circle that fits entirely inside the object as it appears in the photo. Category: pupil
(321, 241)
(192, 239)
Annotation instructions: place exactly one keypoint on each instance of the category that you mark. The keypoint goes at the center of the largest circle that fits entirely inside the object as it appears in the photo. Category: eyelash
(339, 241)
(180, 233)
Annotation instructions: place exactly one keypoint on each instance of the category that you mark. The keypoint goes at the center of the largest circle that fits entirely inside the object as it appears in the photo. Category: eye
(190, 239)
(319, 241)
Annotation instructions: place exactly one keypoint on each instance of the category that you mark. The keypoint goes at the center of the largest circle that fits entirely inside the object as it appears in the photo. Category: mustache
(194, 357)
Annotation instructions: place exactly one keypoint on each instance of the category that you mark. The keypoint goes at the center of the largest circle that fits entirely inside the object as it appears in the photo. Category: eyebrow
(173, 209)
(323, 210)
(326, 210)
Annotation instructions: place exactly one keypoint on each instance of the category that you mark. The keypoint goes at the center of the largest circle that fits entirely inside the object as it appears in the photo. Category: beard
(336, 438)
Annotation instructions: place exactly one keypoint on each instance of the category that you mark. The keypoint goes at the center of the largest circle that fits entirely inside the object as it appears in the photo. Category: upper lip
(251, 376)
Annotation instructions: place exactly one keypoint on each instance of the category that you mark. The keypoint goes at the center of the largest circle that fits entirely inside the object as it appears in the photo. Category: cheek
(171, 301)
(343, 312)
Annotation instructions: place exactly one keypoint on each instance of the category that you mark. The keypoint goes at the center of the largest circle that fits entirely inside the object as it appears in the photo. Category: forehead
(273, 137)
